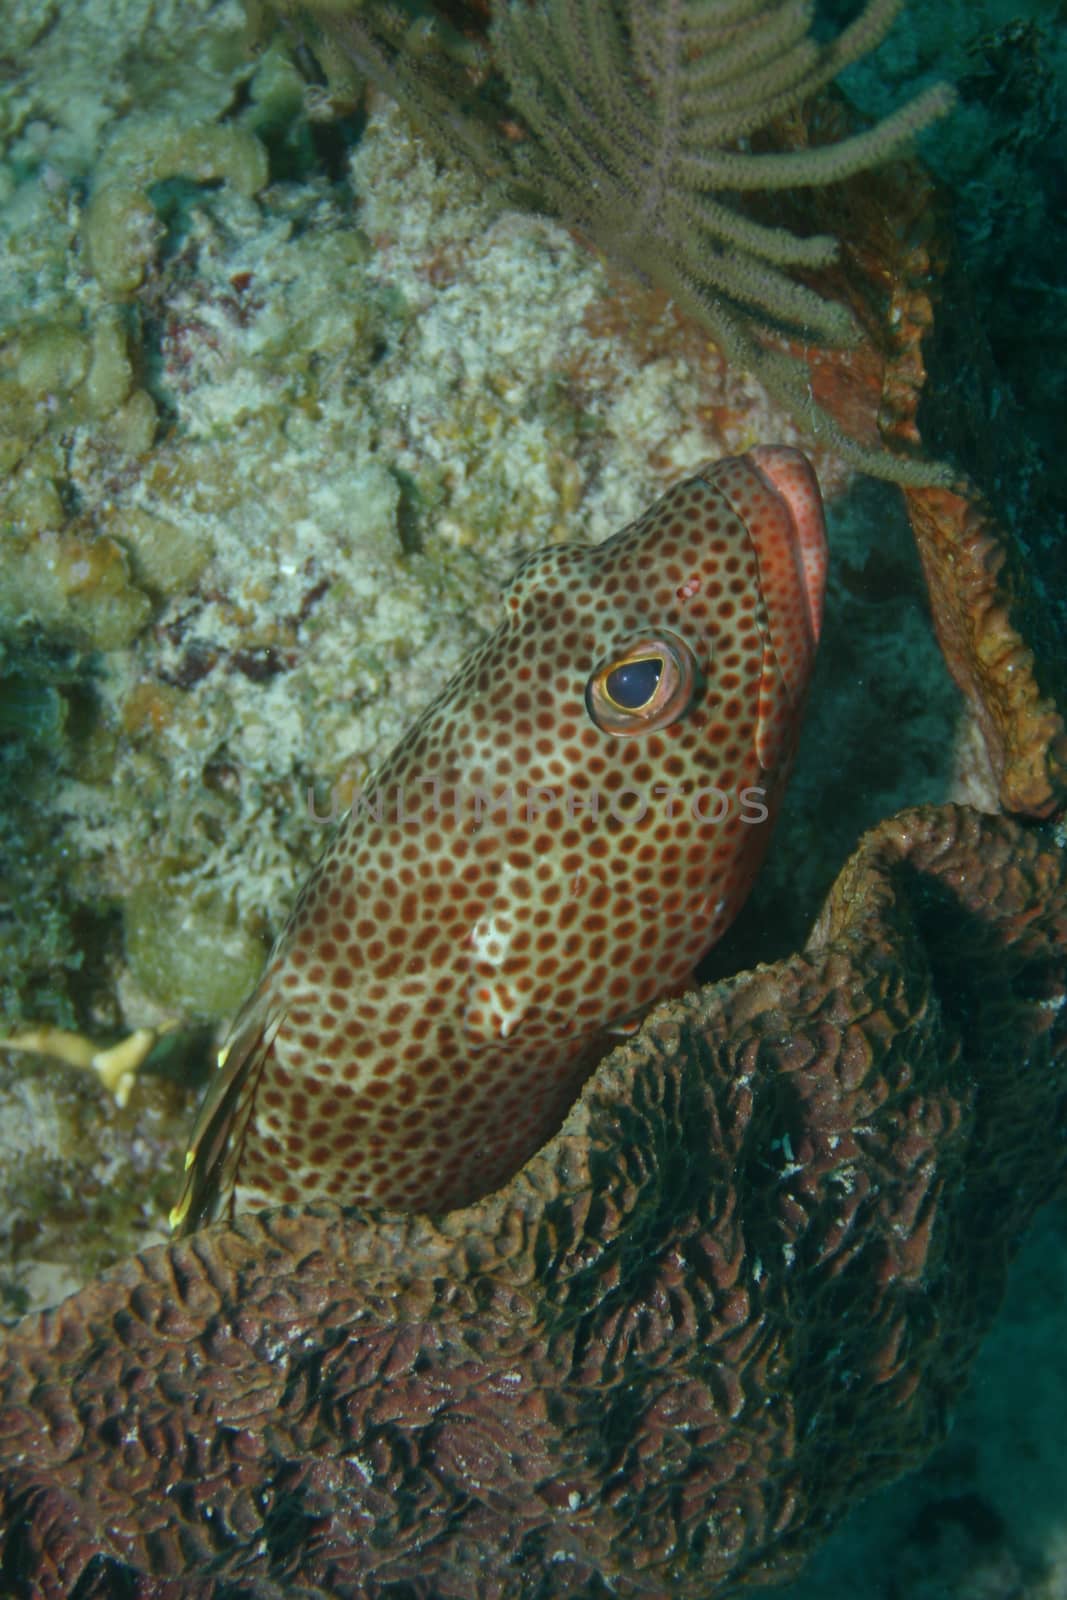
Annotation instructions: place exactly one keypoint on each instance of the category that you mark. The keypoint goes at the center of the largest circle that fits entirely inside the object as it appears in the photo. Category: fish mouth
(791, 476)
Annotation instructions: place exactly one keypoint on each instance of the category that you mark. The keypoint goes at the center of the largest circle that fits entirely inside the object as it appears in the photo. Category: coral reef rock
(739, 1289)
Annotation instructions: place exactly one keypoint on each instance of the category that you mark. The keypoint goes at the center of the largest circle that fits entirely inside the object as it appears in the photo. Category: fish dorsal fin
(213, 1159)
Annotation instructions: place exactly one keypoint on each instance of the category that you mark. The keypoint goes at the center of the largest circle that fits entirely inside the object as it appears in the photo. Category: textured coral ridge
(979, 598)
(736, 1290)
(975, 600)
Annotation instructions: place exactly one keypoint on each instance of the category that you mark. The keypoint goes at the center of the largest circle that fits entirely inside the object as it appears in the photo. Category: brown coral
(888, 277)
(976, 599)
(736, 1290)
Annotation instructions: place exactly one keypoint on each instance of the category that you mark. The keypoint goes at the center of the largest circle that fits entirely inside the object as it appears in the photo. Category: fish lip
(788, 472)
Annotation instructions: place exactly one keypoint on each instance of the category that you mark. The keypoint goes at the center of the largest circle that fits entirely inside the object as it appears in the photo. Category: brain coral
(738, 1289)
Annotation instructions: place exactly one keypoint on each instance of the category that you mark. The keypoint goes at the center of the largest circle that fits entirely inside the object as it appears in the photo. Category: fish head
(618, 749)
(692, 631)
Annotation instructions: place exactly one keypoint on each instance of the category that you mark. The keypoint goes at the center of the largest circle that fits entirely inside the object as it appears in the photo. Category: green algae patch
(76, 589)
(150, 149)
(165, 556)
(110, 375)
(44, 694)
(52, 360)
(190, 955)
(121, 235)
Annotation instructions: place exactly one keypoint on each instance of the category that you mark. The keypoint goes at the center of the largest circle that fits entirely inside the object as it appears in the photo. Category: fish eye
(646, 683)
(632, 685)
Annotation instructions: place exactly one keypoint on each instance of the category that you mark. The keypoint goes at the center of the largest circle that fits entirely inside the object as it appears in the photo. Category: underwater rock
(83, 1180)
(738, 1290)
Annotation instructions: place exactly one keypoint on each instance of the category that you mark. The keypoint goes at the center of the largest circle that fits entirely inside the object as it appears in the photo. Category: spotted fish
(554, 844)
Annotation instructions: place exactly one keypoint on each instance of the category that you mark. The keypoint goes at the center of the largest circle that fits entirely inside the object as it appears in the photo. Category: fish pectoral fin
(625, 1027)
(213, 1158)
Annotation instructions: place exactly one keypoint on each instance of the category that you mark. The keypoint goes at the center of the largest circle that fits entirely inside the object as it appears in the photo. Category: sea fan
(632, 120)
